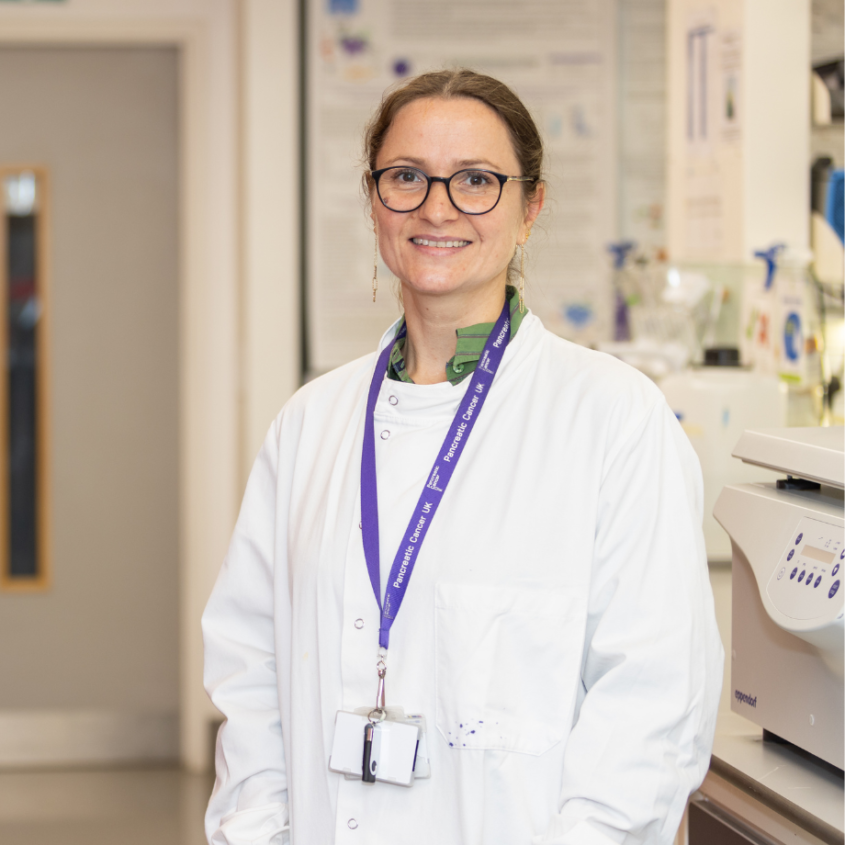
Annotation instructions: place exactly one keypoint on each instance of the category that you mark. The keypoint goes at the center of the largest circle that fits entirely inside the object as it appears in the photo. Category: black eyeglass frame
(503, 180)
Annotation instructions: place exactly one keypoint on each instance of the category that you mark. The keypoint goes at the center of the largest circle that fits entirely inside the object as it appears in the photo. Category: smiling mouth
(439, 244)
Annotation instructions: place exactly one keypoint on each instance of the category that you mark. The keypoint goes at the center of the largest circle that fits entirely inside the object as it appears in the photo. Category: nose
(438, 208)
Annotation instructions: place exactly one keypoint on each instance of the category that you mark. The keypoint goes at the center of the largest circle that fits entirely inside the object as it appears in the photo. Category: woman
(554, 626)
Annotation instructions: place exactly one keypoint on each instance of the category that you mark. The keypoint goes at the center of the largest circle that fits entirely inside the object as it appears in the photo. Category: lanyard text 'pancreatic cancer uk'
(438, 479)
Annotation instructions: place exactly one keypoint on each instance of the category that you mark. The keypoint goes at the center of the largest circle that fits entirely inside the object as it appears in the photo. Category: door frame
(209, 471)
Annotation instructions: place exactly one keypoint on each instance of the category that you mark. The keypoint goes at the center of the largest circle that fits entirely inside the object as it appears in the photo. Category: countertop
(782, 776)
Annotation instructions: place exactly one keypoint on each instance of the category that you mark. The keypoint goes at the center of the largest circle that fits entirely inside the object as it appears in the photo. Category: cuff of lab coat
(579, 833)
(264, 825)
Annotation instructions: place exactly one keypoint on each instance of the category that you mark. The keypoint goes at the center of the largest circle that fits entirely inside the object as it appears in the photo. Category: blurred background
(185, 242)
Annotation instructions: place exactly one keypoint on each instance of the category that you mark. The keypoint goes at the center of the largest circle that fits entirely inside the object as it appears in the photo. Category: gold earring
(522, 273)
(375, 266)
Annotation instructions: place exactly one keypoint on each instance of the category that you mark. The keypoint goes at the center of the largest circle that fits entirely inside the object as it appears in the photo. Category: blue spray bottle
(621, 323)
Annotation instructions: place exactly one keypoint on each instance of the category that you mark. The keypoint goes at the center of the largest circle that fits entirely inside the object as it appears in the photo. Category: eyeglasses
(405, 189)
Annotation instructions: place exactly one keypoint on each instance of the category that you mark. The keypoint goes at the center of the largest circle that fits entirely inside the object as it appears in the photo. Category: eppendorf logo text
(745, 699)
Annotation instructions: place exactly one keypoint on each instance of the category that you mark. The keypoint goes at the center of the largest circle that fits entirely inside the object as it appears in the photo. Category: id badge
(385, 750)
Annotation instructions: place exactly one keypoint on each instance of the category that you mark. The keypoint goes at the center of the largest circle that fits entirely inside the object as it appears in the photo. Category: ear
(533, 208)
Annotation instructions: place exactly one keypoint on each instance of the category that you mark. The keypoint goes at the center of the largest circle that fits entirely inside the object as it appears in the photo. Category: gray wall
(105, 123)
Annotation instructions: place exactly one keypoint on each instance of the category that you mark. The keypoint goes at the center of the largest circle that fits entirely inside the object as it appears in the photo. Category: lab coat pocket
(508, 665)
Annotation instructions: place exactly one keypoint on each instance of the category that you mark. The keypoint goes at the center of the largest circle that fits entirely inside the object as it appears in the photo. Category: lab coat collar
(528, 327)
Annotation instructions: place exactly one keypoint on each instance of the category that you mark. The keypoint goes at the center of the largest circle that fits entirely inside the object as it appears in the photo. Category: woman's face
(441, 137)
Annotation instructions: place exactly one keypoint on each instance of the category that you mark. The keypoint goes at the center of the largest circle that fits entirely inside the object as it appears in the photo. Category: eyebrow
(464, 163)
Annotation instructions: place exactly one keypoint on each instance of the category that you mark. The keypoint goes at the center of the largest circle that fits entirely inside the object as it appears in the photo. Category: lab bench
(763, 792)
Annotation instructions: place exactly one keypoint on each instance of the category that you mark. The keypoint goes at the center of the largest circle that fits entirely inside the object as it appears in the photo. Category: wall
(777, 123)
(270, 221)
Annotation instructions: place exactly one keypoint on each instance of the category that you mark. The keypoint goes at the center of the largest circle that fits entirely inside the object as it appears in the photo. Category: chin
(433, 286)
(437, 281)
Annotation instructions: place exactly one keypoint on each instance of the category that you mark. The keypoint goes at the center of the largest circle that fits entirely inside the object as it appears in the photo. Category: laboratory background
(185, 242)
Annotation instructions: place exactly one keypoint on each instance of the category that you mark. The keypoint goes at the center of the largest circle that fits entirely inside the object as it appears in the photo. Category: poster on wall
(704, 213)
(714, 114)
(558, 56)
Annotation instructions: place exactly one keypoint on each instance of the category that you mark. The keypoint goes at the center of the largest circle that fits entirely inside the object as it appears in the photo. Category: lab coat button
(393, 400)
(352, 824)
(359, 623)
(385, 434)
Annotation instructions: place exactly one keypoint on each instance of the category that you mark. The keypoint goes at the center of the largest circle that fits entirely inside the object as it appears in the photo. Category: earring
(375, 266)
(522, 273)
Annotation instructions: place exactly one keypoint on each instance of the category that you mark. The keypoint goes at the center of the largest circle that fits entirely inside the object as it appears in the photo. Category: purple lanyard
(438, 479)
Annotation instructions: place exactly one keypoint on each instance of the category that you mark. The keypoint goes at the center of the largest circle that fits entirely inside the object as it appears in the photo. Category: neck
(433, 321)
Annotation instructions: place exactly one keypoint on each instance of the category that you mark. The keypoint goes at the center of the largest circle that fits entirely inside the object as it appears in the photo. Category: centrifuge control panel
(807, 582)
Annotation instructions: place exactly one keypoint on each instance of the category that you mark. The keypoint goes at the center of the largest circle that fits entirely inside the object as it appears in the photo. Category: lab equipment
(663, 315)
(621, 320)
(834, 206)
(714, 405)
(820, 172)
(788, 541)
(782, 331)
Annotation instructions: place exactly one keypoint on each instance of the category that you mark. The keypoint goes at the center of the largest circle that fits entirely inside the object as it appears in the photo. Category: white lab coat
(558, 631)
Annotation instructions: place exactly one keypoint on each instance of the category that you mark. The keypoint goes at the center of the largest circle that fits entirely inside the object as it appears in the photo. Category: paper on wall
(559, 57)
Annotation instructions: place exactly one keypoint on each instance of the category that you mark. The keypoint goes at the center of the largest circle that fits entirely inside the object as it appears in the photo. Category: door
(89, 665)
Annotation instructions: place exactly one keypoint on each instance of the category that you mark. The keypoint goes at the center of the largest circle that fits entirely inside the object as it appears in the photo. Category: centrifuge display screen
(818, 554)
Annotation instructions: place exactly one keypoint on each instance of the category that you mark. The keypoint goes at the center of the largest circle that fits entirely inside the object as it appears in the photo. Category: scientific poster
(730, 68)
(642, 123)
(558, 55)
(704, 212)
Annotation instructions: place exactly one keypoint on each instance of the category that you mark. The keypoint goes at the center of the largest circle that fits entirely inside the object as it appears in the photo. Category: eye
(474, 180)
(405, 177)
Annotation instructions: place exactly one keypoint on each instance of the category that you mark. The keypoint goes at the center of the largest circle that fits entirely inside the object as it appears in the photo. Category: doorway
(90, 666)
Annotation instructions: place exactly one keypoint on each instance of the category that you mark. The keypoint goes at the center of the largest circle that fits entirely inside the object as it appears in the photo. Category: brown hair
(461, 82)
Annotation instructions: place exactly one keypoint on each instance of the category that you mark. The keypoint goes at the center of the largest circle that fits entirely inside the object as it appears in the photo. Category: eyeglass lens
(472, 191)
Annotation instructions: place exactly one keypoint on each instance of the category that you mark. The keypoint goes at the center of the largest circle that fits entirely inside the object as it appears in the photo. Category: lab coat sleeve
(652, 664)
(249, 801)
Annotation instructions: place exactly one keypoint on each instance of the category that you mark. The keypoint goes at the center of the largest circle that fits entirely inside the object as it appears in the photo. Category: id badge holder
(376, 749)
(422, 764)
(382, 743)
